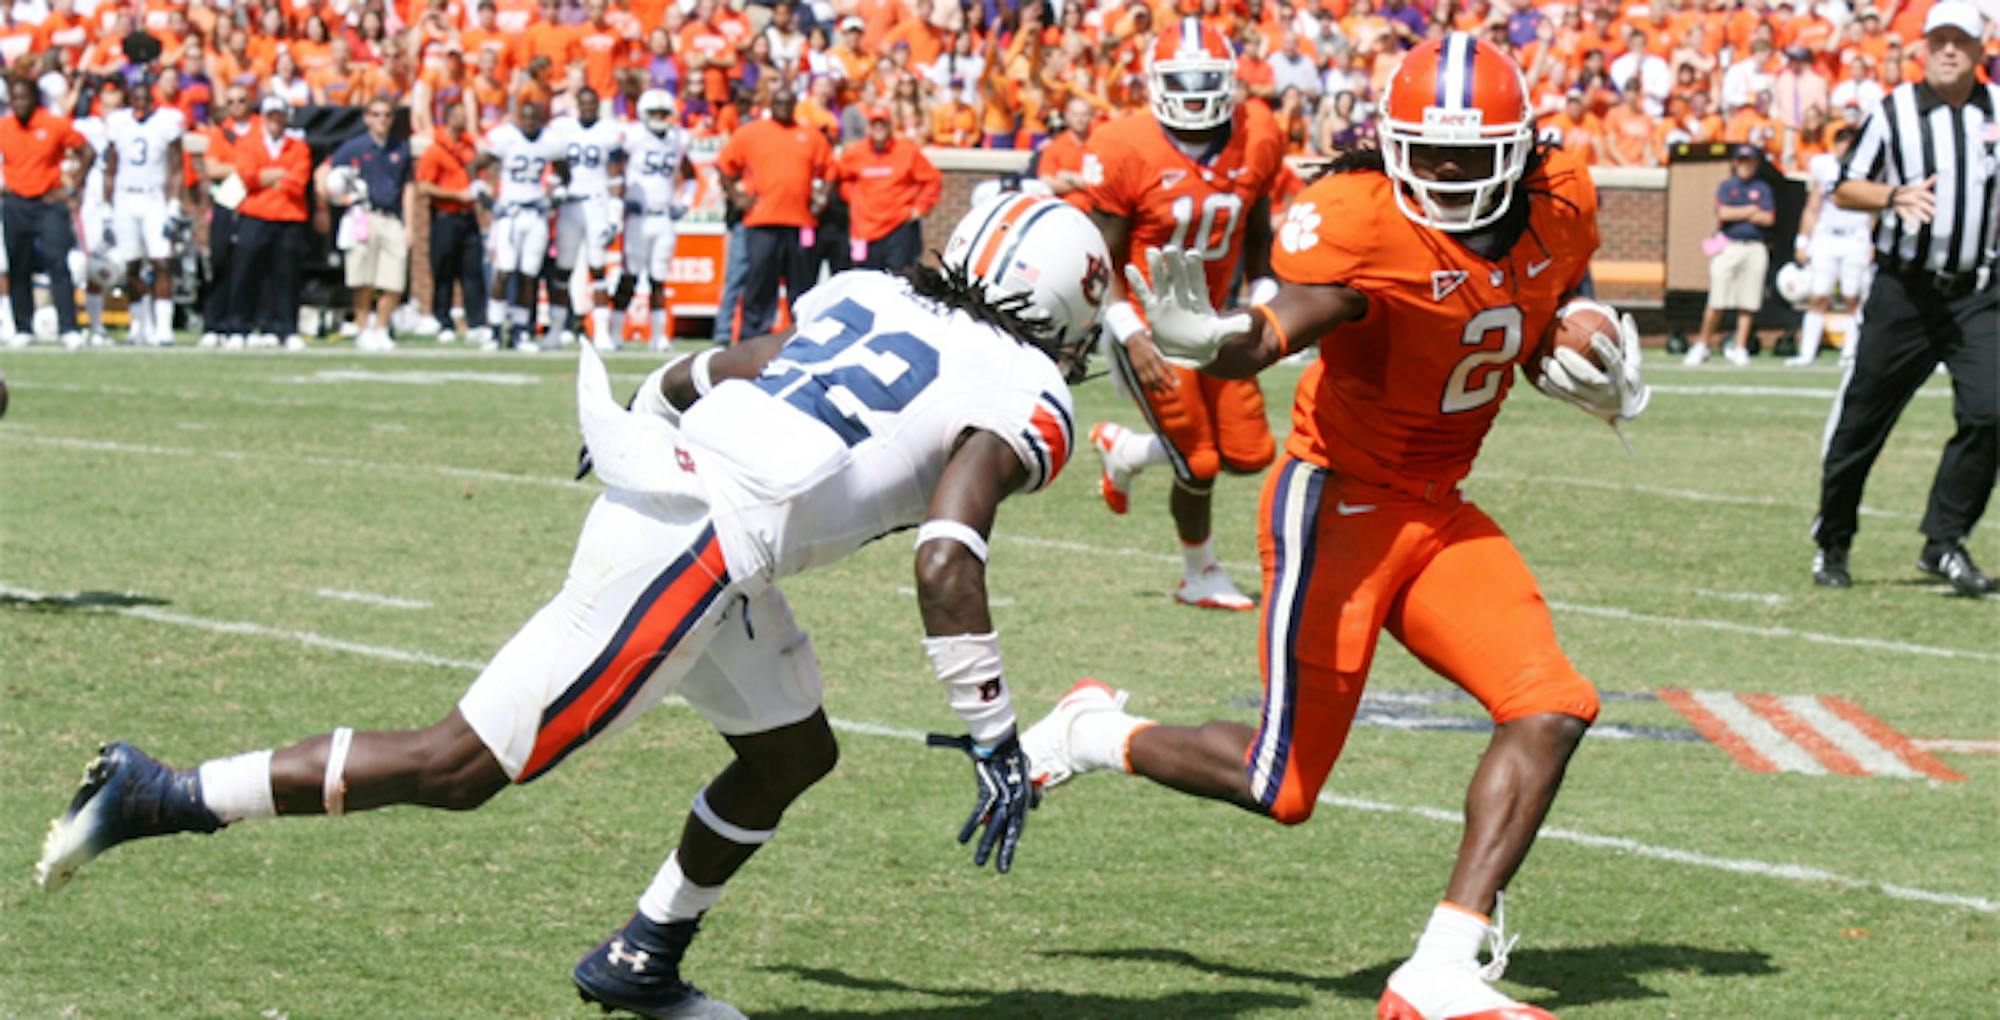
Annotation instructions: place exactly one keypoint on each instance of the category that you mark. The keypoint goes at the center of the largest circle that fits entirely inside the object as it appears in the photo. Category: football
(1576, 324)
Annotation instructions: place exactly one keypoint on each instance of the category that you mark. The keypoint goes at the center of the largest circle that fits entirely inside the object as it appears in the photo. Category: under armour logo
(990, 690)
(1444, 281)
(618, 957)
(682, 458)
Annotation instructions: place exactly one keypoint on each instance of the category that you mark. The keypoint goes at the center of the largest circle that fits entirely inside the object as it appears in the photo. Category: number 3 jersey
(1403, 397)
(844, 436)
(1134, 170)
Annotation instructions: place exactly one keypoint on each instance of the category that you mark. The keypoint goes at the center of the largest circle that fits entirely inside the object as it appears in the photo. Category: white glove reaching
(1615, 392)
(1185, 325)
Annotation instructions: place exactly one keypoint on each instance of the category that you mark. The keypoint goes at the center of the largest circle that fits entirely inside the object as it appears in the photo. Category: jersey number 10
(1208, 242)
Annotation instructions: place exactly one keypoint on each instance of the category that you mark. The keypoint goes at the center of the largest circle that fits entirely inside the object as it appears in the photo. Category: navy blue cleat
(638, 970)
(125, 796)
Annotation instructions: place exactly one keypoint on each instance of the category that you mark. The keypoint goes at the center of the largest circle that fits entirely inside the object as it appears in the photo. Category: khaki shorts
(1736, 276)
(381, 261)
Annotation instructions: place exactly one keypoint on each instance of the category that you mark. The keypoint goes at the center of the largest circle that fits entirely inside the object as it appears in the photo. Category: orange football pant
(1209, 424)
(1342, 561)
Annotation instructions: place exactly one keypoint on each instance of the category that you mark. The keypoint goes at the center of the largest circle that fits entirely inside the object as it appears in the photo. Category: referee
(1928, 157)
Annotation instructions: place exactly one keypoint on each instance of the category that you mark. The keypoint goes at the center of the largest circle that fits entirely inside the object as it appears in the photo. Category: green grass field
(219, 505)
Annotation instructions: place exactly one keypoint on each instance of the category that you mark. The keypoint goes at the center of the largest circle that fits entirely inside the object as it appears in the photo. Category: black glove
(1005, 796)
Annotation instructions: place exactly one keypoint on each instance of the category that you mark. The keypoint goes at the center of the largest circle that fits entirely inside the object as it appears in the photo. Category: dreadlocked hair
(1367, 158)
(953, 288)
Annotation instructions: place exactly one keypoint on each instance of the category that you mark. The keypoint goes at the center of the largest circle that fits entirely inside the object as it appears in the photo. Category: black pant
(1906, 330)
(456, 255)
(775, 254)
(265, 274)
(39, 236)
(222, 314)
(900, 249)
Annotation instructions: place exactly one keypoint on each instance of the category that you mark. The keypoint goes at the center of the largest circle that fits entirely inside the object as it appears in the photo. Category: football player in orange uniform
(1194, 174)
(1426, 271)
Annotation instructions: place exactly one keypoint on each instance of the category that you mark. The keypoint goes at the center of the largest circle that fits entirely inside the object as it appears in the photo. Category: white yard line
(1759, 734)
(409, 377)
(550, 481)
(1728, 390)
(369, 598)
(1616, 844)
(1771, 599)
(1670, 492)
(1949, 746)
(1872, 756)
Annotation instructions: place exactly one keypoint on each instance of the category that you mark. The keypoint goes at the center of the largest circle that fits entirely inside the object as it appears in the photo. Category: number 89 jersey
(1403, 397)
(844, 436)
(1134, 170)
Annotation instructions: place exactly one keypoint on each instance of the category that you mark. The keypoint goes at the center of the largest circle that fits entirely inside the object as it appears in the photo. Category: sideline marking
(551, 482)
(410, 377)
(1950, 746)
(1762, 598)
(1743, 866)
(1725, 390)
(1806, 734)
(370, 598)
(1668, 492)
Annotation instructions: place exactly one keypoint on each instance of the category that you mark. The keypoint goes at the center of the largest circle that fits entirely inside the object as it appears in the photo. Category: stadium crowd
(1619, 83)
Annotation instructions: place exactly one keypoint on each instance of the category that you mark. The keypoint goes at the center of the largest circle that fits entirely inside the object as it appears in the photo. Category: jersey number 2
(1475, 382)
(822, 360)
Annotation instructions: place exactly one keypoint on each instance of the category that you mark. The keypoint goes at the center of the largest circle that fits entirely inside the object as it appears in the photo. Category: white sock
(672, 897)
(496, 312)
(1810, 333)
(140, 311)
(1198, 557)
(618, 327)
(94, 304)
(239, 788)
(163, 317)
(517, 315)
(600, 325)
(656, 320)
(558, 320)
(1140, 450)
(1101, 740)
(1453, 935)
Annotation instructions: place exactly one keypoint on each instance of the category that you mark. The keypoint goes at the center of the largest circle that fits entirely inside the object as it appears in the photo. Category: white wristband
(952, 531)
(699, 370)
(1122, 320)
(969, 667)
(651, 399)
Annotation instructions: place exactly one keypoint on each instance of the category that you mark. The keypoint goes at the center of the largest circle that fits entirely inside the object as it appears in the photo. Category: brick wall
(1632, 218)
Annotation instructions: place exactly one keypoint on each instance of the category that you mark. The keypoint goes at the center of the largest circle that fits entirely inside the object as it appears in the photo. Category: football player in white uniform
(142, 177)
(588, 218)
(1835, 246)
(659, 187)
(914, 401)
(96, 247)
(526, 154)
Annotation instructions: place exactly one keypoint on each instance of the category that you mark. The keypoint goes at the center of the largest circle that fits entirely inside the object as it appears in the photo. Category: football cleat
(1449, 993)
(1114, 480)
(125, 796)
(1213, 588)
(637, 970)
(1051, 757)
(1829, 567)
(1949, 561)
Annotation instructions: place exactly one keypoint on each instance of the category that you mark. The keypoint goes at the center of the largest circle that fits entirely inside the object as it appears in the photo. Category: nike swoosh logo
(1535, 268)
(1350, 509)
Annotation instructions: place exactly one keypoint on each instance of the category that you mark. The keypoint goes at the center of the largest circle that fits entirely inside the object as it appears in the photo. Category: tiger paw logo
(1093, 169)
(1301, 228)
(1096, 279)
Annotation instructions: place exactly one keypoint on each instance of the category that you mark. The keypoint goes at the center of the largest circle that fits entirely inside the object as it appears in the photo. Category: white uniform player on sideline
(1837, 247)
(587, 220)
(659, 187)
(95, 261)
(142, 175)
(526, 154)
(915, 401)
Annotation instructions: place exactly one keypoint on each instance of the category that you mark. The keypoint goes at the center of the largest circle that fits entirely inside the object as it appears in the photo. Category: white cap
(1956, 14)
(274, 104)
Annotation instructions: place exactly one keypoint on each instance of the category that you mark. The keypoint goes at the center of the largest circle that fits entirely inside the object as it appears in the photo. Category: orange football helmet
(1457, 92)
(1191, 77)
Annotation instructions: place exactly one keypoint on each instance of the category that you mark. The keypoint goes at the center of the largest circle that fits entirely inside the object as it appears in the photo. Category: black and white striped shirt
(1915, 134)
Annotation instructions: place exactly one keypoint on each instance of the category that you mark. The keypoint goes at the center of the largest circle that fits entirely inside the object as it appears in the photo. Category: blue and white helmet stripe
(1454, 81)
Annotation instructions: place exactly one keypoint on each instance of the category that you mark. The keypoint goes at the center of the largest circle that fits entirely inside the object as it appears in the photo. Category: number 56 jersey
(1403, 397)
(844, 436)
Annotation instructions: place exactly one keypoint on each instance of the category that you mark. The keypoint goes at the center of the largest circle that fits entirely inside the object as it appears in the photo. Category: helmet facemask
(1490, 159)
(1192, 93)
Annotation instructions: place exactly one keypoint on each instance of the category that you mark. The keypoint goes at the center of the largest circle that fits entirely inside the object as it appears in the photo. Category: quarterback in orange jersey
(1426, 271)
(1194, 173)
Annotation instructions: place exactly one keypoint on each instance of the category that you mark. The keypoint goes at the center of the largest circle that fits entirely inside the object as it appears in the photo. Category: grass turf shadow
(1576, 977)
(79, 601)
(1026, 1004)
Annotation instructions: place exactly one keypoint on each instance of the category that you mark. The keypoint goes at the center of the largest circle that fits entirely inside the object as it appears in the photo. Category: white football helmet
(1042, 248)
(1794, 284)
(656, 110)
(344, 182)
(1191, 77)
(1457, 92)
(102, 272)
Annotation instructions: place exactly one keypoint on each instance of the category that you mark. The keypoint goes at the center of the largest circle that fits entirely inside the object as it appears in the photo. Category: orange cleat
(1114, 480)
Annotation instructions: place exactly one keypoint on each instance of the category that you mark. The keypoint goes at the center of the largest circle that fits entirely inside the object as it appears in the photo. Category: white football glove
(1186, 327)
(1615, 392)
